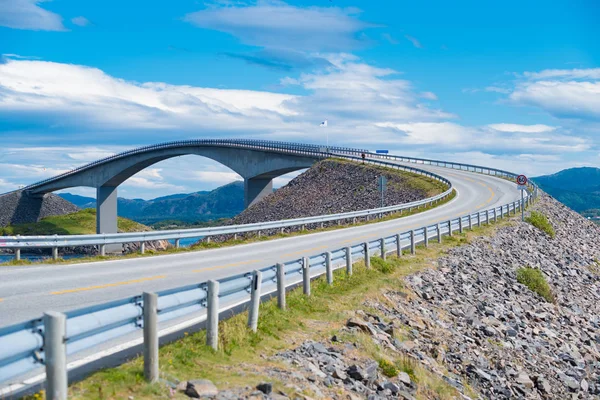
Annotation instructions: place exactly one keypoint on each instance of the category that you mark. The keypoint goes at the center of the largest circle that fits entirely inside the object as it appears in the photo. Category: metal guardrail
(22, 346)
(57, 241)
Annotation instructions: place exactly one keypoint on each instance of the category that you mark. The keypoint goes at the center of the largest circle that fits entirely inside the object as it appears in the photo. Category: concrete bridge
(258, 162)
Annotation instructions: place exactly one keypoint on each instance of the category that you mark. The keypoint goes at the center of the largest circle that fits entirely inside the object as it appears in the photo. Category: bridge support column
(106, 214)
(257, 188)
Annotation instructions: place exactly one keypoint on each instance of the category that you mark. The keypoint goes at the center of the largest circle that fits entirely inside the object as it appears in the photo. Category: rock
(266, 388)
(356, 373)
(392, 387)
(523, 379)
(339, 374)
(200, 388)
(584, 385)
(404, 378)
(360, 324)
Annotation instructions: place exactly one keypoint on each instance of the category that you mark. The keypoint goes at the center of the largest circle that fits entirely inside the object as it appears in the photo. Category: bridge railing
(252, 144)
(60, 241)
(22, 351)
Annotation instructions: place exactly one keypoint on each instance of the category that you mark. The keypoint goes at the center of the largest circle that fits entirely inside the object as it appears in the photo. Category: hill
(578, 188)
(223, 202)
(336, 186)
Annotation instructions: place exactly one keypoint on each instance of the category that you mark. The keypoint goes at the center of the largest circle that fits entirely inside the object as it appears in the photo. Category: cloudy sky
(510, 84)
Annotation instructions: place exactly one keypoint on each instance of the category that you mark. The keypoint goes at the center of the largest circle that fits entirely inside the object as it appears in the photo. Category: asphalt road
(26, 292)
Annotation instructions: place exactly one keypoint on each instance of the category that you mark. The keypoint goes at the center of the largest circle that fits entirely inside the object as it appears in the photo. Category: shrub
(540, 221)
(387, 368)
(535, 280)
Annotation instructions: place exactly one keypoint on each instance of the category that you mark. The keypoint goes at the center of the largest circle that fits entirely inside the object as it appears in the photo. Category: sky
(512, 84)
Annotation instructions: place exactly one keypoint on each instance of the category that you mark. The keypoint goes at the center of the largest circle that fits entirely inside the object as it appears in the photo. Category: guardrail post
(449, 228)
(413, 245)
(328, 269)
(102, 250)
(150, 337)
(398, 245)
(17, 254)
(495, 215)
(255, 293)
(235, 237)
(438, 231)
(212, 315)
(281, 286)
(349, 261)
(487, 217)
(177, 243)
(367, 255)
(55, 328)
(55, 253)
(425, 236)
(460, 225)
(470, 222)
(208, 239)
(478, 218)
(501, 212)
(142, 247)
(306, 275)
(382, 248)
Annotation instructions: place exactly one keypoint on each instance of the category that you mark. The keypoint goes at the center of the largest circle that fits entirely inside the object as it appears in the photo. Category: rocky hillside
(18, 208)
(477, 320)
(334, 186)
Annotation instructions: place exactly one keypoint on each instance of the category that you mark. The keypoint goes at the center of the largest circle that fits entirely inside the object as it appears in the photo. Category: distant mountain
(223, 202)
(578, 188)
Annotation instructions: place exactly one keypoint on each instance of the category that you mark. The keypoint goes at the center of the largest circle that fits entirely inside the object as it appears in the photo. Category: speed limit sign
(521, 180)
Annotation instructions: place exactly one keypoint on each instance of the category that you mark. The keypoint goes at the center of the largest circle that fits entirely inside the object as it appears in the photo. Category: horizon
(512, 86)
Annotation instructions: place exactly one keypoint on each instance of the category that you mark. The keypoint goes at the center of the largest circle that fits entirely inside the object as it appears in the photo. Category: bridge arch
(258, 162)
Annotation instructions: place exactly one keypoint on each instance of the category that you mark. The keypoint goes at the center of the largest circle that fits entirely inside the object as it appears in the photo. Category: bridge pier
(106, 214)
(256, 188)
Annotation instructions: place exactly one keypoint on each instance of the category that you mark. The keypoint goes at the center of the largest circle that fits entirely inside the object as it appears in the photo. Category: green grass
(540, 221)
(78, 223)
(535, 280)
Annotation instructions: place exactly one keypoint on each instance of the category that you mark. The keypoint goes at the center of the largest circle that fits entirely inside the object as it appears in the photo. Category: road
(26, 292)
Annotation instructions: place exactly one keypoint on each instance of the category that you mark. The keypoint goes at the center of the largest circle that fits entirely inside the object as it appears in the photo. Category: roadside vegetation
(77, 223)
(540, 221)
(317, 317)
(535, 280)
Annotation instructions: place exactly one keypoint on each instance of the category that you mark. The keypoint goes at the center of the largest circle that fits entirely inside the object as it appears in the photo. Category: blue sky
(510, 84)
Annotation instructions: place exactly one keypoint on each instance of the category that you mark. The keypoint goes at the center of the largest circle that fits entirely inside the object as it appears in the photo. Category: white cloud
(563, 93)
(26, 14)
(275, 24)
(216, 177)
(414, 41)
(538, 128)
(590, 73)
(80, 21)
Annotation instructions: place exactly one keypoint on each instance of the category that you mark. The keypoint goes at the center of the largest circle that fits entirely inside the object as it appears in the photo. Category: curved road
(26, 292)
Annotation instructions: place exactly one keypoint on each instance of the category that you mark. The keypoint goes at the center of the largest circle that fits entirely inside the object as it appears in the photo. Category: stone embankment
(333, 186)
(471, 324)
(19, 208)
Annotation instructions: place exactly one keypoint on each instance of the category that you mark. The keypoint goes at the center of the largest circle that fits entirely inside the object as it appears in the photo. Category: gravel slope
(18, 208)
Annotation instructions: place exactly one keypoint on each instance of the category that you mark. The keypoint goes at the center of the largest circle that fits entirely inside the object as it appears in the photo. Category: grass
(78, 223)
(540, 221)
(232, 242)
(317, 317)
(535, 280)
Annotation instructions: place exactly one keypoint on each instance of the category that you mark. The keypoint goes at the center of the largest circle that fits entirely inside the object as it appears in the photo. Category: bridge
(257, 162)
(108, 324)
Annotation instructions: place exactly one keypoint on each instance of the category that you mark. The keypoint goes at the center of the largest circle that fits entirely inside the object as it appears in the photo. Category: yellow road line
(304, 251)
(358, 237)
(226, 265)
(152, 278)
